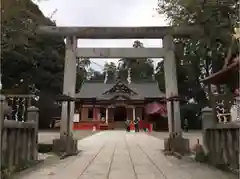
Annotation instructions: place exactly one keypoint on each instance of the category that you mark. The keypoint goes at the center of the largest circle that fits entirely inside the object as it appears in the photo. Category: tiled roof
(222, 76)
(142, 90)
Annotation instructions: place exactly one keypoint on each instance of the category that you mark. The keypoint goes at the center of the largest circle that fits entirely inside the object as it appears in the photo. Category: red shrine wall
(85, 116)
(87, 121)
(139, 111)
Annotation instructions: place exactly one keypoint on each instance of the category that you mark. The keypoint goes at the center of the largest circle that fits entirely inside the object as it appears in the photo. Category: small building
(108, 105)
(222, 103)
(226, 74)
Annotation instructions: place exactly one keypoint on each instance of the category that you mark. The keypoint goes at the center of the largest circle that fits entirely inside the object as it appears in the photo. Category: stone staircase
(119, 124)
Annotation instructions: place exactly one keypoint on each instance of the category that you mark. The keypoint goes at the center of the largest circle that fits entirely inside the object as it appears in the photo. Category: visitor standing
(136, 124)
(127, 123)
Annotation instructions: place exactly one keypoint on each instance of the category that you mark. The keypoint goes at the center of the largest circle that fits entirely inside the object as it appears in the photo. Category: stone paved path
(121, 155)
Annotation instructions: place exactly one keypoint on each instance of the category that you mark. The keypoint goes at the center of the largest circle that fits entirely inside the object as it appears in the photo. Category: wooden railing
(222, 145)
(221, 133)
(19, 139)
(19, 143)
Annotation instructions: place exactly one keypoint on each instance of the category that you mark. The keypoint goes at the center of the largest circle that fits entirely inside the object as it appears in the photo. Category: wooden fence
(19, 139)
(221, 133)
(222, 145)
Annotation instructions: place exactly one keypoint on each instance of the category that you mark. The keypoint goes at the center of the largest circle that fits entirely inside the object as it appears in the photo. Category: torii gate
(166, 33)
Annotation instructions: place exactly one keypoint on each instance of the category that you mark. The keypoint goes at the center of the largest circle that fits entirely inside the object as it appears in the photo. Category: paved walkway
(121, 155)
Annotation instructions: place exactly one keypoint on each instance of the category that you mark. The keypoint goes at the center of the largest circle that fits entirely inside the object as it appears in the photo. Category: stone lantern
(207, 118)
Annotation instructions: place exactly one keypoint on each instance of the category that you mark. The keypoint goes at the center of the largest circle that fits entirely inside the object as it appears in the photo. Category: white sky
(105, 13)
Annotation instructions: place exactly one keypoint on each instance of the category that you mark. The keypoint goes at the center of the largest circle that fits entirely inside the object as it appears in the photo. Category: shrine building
(106, 105)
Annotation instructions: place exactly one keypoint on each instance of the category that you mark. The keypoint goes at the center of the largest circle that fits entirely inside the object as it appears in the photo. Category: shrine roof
(222, 76)
(102, 91)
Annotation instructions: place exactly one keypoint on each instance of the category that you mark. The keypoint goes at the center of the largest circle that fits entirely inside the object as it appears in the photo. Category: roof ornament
(129, 76)
(106, 77)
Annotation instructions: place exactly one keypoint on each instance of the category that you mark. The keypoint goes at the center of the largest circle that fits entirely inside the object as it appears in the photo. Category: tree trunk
(229, 55)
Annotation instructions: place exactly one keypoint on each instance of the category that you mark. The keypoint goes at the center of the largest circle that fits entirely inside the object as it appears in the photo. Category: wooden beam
(122, 32)
(120, 52)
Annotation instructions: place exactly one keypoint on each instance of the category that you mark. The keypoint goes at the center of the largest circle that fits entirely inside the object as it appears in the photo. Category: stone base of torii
(66, 145)
(175, 143)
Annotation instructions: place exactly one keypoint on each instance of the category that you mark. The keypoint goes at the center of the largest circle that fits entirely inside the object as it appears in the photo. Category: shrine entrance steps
(119, 125)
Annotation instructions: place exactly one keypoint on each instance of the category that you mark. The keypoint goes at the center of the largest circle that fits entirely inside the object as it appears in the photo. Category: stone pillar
(66, 143)
(171, 84)
(106, 118)
(208, 121)
(69, 83)
(175, 142)
(33, 115)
